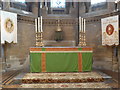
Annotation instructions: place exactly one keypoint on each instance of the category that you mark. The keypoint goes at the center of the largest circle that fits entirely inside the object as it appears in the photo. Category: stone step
(66, 85)
(81, 77)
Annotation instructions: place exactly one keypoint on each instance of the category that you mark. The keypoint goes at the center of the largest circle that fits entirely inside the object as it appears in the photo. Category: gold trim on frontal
(61, 51)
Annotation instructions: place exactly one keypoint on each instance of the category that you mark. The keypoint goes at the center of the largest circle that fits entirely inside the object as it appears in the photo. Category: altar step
(81, 77)
(63, 80)
(66, 85)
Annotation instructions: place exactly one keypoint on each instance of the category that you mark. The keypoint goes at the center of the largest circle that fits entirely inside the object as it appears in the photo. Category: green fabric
(35, 62)
(86, 61)
(80, 49)
(43, 49)
(61, 62)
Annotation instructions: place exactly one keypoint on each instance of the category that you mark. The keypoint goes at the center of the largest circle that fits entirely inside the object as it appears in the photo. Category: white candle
(84, 25)
(41, 24)
(36, 28)
(79, 24)
(38, 24)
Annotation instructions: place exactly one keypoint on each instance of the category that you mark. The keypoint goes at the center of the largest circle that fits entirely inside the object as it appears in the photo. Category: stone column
(111, 6)
(35, 9)
(2, 56)
(2, 59)
(6, 5)
(115, 59)
(45, 3)
(87, 6)
(119, 67)
(118, 5)
(0, 72)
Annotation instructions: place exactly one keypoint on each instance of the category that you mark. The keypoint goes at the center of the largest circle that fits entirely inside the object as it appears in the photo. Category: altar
(60, 59)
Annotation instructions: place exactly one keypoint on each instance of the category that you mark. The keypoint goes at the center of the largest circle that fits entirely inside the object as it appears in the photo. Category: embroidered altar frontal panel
(60, 59)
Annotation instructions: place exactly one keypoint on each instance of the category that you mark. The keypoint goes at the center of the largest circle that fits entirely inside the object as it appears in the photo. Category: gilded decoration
(9, 25)
(110, 29)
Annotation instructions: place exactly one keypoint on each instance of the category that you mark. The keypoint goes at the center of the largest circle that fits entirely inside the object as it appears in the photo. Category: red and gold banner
(110, 30)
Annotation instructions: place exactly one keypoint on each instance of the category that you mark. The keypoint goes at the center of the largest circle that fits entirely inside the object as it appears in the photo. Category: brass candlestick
(39, 39)
(82, 28)
(39, 32)
(82, 39)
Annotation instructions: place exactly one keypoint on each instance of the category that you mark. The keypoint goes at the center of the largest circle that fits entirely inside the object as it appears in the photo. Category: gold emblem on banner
(9, 26)
(110, 29)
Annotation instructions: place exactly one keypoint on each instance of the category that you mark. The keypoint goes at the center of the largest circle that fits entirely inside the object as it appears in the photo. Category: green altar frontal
(60, 59)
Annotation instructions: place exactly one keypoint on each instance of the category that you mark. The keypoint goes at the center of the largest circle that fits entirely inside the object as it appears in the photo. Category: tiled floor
(110, 82)
(66, 85)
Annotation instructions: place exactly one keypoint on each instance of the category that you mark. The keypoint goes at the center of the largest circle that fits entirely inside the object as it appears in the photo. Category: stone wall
(16, 54)
(0, 42)
(0, 52)
(102, 55)
(119, 59)
(68, 26)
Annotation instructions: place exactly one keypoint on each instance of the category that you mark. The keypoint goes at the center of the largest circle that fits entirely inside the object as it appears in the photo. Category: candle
(38, 24)
(84, 25)
(79, 24)
(36, 28)
(41, 24)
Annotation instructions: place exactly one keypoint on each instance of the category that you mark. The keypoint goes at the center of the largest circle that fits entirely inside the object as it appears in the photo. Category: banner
(8, 27)
(110, 30)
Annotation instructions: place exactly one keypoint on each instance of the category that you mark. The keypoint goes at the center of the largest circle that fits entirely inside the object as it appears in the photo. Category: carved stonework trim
(26, 19)
(63, 22)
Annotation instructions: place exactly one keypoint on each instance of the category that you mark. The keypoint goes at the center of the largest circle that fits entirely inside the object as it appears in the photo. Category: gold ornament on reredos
(9, 25)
